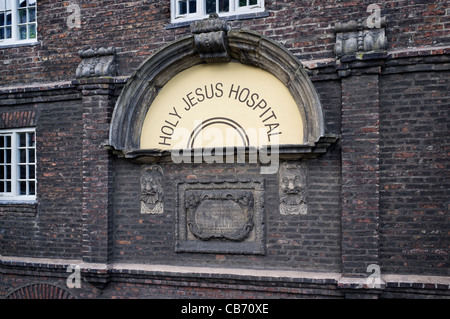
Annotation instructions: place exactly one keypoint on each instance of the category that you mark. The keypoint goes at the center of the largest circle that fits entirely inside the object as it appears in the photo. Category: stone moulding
(97, 62)
(211, 42)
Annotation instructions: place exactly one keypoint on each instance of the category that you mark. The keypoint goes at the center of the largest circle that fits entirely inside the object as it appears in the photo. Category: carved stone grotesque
(293, 189)
(97, 62)
(152, 190)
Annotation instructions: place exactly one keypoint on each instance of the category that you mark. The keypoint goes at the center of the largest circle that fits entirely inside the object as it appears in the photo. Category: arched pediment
(219, 51)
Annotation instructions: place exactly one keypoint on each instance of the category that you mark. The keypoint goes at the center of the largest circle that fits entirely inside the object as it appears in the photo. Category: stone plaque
(293, 188)
(220, 217)
(152, 190)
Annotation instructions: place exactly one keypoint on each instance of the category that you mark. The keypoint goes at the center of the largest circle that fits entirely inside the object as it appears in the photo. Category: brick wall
(414, 172)
(138, 28)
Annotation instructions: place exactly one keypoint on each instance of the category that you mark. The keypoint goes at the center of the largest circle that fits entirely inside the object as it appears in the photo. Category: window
(17, 21)
(188, 10)
(18, 164)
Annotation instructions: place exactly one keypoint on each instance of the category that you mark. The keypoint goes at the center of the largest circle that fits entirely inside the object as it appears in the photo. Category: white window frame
(234, 10)
(14, 40)
(14, 195)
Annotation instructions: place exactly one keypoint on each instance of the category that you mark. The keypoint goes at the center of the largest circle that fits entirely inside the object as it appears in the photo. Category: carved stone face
(151, 187)
(293, 187)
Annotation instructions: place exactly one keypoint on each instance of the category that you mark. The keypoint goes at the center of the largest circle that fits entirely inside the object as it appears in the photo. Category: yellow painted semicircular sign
(220, 105)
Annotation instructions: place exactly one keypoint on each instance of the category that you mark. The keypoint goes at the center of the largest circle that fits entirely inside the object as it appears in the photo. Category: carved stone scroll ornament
(152, 190)
(97, 62)
(293, 189)
(210, 36)
(225, 215)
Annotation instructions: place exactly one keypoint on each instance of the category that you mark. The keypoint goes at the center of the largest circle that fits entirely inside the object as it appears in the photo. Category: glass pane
(8, 171)
(22, 139)
(210, 6)
(23, 156)
(31, 172)
(192, 6)
(2, 156)
(242, 3)
(22, 3)
(2, 33)
(23, 16)
(31, 156)
(2, 171)
(8, 156)
(22, 32)
(8, 18)
(8, 187)
(2, 18)
(8, 5)
(31, 2)
(8, 141)
(22, 171)
(32, 31)
(31, 140)
(8, 33)
(31, 15)
(253, 2)
(22, 188)
(2, 187)
(224, 5)
(31, 188)
(2, 5)
(2, 139)
(182, 7)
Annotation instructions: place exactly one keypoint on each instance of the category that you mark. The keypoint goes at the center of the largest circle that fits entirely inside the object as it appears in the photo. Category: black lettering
(209, 96)
(167, 130)
(219, 90)
(253, 100)
(174, 125)
(199, 92)
(175, 113)
(246, 96)
(191, 99)
(188, 106)
(272, 127)
(234, 91)
(271, 116)
(164, 140)
(261, 104)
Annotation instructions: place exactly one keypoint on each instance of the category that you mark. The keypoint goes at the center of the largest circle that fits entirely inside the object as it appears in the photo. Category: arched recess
(212, 41)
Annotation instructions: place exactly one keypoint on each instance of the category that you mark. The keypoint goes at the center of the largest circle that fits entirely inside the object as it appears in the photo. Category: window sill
(26, 208)
(237, 16)
(18, 44)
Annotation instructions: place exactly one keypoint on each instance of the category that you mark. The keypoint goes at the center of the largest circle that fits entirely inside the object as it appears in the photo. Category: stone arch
(40, 291)
(212, 41)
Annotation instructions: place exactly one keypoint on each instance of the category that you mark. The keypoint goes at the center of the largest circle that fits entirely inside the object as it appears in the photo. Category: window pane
(2, 18)
(23, 156)
(31, 172)
(22, 139)
(242, 3)
(224, 5)
(210, 6)
(31, 155)
(31, 2)
(2, 187)
(22, 188)
(8, 5)
(8, 171)
(8, 33)
(2, 171)
(31, 188)
(8, 18)
(31, 15)
(2, 139)
(23, 16)
(8, 187)
(2, 156)
(8, 156)
(32, 31)
(182, 7)
(2, 5)
(22, 32)
(253, 2)
(22, 3)
(22, 171)
(31, 140)
(2, 33)
(192, 6)
(8, 141)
